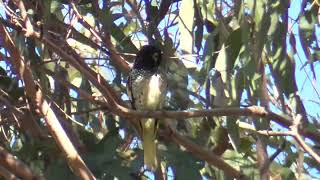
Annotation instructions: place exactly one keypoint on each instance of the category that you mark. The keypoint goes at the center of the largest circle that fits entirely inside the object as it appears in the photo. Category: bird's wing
(129, 92)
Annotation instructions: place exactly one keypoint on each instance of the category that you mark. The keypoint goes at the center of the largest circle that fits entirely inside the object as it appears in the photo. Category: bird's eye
(155, 57)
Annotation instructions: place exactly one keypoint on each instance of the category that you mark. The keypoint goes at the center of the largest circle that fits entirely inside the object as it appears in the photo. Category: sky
(307, 84)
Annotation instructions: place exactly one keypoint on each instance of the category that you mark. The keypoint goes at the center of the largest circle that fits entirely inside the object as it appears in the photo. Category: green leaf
(208, 10)
(184, 165)
(308, 21)
(178, 83)
(198, 28)
(55, 5)
(107, 161)
(209, 47)
(274, 20)
(228, 54)
(238, 161)
(285, 73)
(131, 27)
(122, 39)
(186, 24)
(59, 169)
(285, 173)
(84, 105)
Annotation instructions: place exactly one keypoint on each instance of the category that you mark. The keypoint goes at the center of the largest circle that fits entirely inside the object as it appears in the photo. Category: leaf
(59, 169)
(178, 82)
(84, 105)
(257, 10)
(228, 54)
(131, 27)
(274, 19)
(122, 39)
(260, 12)
(208, 10)
(285, 173)
(186, 23)
(209, 47)
(224, 64)
(245, 145)
(236, 87)
(74, 76)
(198, 28)
(237, 161)
(220, 139)
(285, 73)
(207, 58)
(107, 162)
(55, 5)
(308, 21)
(185, 165)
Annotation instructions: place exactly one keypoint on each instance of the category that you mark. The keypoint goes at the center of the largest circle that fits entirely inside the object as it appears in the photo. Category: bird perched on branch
(147, 90)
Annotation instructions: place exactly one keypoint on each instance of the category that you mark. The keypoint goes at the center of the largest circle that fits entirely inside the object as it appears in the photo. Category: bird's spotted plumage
(147, 90)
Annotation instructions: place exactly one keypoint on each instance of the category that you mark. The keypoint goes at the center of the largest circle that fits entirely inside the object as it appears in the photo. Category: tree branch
(34, 94)
(7, 174)
(203, 154)
(16, 166)
(84, 22)
(299, 139)
(29, 28)
(294, 132)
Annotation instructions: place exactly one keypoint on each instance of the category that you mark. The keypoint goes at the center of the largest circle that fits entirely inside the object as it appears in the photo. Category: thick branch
(115, 56)
(7, 174)
(16, 166)
(234, 111)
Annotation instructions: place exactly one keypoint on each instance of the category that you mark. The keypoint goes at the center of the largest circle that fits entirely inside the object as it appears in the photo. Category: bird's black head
(148, 58)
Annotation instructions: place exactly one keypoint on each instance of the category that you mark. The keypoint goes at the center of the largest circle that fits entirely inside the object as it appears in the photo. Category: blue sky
(307, 85)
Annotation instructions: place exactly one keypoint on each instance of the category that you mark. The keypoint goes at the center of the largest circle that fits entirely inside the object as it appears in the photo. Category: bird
(146, 89)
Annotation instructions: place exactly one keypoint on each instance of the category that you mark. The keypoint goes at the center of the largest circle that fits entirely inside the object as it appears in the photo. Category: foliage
(218, 54)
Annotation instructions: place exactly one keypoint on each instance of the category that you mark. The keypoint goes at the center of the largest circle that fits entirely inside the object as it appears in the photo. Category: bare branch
(299, 139)
(274, 133)
(16, 166)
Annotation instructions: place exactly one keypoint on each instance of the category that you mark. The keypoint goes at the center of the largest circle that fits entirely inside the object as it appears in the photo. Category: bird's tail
(149, 143)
